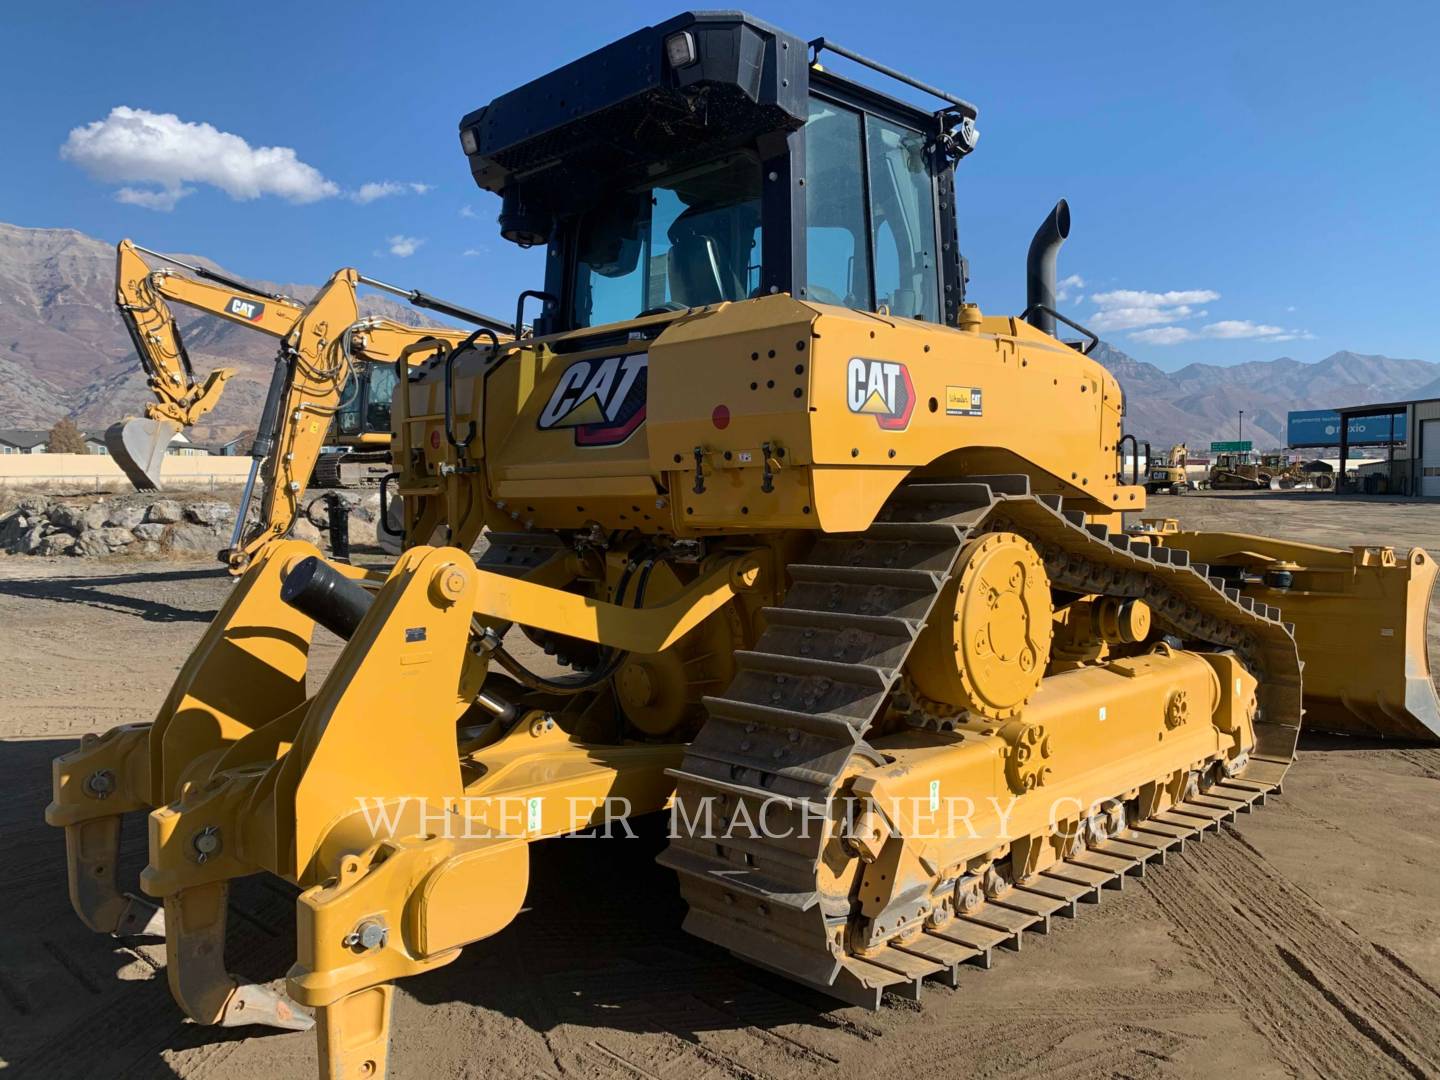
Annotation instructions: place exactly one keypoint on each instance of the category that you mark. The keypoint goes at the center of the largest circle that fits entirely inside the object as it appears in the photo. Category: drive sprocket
(986, 645)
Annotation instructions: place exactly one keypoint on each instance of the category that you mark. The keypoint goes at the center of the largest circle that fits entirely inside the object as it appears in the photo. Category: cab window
(837, 254)
(686, 241)
(352, 404)
(902, 213)
(871, 235)
(382, 380)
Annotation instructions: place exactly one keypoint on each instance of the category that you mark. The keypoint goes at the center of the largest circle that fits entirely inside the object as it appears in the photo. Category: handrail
(1094, 337)
(966, 109)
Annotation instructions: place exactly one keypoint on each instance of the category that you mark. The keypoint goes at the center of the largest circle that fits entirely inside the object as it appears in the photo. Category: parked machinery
(1284, 472)
(326, 418)
(1167, 475)
(777, 493)
(1238, 471)
(143, 295)
(1247, 470)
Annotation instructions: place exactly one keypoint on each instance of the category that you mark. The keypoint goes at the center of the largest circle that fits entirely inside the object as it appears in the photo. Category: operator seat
(702, 268)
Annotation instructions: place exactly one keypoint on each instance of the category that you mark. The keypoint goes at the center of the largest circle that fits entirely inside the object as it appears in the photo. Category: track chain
(790, 729)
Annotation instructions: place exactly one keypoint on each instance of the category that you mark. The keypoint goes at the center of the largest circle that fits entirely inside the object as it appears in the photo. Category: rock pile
(146, 525)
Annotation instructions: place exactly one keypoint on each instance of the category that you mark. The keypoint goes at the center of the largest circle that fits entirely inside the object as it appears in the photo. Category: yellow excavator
(1167, 475)
(143, 295)
(331, 386)
(887, 648)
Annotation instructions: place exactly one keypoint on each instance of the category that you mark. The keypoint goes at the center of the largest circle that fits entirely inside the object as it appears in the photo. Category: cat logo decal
(882, 389)
(245, 309)
(601, 400)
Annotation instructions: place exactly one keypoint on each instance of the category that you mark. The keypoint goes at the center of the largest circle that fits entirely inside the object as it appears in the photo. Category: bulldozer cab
(711, 159)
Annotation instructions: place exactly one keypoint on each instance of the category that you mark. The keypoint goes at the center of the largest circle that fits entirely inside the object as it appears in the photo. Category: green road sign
(1234, 447)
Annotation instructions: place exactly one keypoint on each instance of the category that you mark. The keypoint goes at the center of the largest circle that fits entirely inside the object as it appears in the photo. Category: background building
(1403, 435)
(22, 441)
(1414, 461)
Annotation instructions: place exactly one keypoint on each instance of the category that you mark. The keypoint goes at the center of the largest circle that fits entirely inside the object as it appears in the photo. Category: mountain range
(1201, 403)
(64, 352)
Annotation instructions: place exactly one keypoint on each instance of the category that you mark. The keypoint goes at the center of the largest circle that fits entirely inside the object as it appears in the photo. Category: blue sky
(1247, 180)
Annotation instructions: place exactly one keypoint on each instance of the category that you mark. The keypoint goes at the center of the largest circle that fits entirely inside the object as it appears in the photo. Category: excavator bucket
(138, 447)
(1360, 618)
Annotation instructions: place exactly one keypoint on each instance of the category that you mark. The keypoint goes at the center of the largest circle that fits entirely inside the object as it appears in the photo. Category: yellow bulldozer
(1247, 470)
(1237, 471)
(326, 417)
(773, 487)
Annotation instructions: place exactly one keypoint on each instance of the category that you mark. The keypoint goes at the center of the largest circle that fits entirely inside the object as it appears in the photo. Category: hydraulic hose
(610, 659)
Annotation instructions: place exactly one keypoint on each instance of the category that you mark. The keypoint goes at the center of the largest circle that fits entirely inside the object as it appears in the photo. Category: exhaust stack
(1040, 266)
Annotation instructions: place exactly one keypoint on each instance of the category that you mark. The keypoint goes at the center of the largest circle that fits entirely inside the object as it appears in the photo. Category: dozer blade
(1360, 620)
(1367, 670)
(138, 447)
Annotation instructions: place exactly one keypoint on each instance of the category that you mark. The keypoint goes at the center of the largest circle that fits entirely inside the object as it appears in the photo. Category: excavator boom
(311, 373)
(320, 343)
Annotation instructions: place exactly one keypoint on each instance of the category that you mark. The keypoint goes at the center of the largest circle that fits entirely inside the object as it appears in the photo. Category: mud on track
(1305, 941)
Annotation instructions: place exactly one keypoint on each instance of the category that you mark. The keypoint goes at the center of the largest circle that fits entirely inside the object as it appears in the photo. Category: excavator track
(332, 469)
(326, 473)
(792, 724)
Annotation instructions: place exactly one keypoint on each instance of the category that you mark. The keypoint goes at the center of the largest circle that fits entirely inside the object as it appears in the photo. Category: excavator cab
(363, 416)
(708, 159)
(357, 450)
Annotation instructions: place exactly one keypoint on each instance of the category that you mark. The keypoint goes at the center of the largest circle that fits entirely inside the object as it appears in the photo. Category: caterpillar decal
(882, 389)
(245, 309)
(602, 400)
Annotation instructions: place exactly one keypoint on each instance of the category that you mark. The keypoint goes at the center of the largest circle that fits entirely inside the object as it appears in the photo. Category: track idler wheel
(987, 643)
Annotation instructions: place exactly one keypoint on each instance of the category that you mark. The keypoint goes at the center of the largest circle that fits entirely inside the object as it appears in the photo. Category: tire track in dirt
(1051, 1034)
(1427, 761)
(686, 1021)
(1328, 1001)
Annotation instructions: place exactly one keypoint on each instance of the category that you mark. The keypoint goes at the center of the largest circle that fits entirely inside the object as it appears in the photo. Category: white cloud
(1224, 330)
(404, 246)
(1242, 328)
(468, 211)
(383, 189)
(1069, 288)
(471, 252)
(1128, 309)
(137, 146)
(1153, 317)
(1139, 298)
(164, 199)
(1162, 335)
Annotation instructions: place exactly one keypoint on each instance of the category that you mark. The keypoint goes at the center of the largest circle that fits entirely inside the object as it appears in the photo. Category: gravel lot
(1305, 943)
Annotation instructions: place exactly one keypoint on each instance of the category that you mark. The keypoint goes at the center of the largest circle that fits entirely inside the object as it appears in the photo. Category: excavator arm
(312, 371)
(143, 295)
(320, 344)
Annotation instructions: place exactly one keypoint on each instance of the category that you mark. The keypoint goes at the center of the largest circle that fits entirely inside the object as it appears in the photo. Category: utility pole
(1241, 436)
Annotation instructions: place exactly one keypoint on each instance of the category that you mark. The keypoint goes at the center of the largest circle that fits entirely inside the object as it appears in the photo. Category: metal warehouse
(1415, 454)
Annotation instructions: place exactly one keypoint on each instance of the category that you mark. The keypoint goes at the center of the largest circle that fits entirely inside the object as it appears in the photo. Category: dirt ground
(1306, 942)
